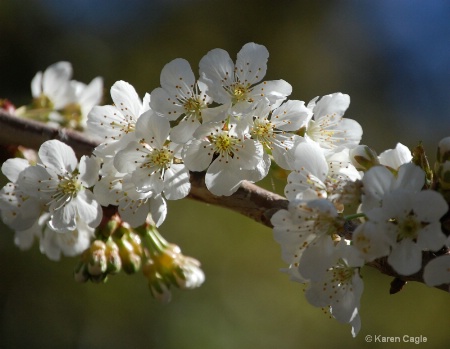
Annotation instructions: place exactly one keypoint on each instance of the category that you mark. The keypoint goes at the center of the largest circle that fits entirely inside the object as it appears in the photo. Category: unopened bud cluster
(166, 266)
(119, 247)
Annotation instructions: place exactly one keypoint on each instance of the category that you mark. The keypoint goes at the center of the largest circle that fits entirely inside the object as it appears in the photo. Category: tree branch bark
(250, 200)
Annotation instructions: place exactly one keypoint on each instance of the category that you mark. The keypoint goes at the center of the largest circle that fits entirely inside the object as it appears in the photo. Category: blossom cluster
(59, 100)
(232, 124)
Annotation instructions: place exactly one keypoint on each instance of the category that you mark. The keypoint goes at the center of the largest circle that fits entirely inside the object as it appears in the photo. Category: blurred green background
(391, 57)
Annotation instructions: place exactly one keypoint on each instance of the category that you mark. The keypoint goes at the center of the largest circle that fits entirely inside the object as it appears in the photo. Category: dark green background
(319, 47)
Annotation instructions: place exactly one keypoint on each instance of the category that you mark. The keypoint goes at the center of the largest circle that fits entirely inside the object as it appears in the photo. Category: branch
(31, 134)
(250, 200)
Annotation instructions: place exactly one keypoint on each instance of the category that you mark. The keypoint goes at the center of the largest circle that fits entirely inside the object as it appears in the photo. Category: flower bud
(443, 150)
(188, 274)
(113, 257)
(97, 264)
(131, 262)
(158, 288)
(363, 157)
(443, 175)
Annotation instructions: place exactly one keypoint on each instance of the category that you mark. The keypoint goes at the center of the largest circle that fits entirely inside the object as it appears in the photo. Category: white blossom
(182, 98)
(115, 124)
(411, 223)
(117, 189)
(154, 162)
(306, 232)
(314, 176)
(236, 159)
(58, 182)
(53, 86)
(341, 286)
(328, 127)
(274, 129)
(231, 84)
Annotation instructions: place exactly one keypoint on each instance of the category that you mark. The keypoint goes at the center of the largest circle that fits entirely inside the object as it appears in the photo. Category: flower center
(42, 102)
(262, 130)
(239, 92)
(408, 228)
(342, 273)
(161, 157)
(72, 116)
(224, 144)
(317, 132)
(69, 185)
(193, 107)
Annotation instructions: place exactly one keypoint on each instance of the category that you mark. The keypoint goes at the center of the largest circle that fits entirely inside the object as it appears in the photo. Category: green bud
(420, 159)
(131, 262)
(108, 229)
(443, 174)
(443, 150)
(113, 257)
(363, 157)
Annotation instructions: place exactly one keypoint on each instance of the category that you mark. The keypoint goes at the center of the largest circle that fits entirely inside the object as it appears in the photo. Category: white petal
(184, 131)
(197, 155)
(127, 159)
(406, 257)
(377, 181)
(146, 103)
(310, 158)
(147, 183)
(64, 219)
(126, 99)
(222, 179)
(431, 237)
(104, 121)
(177, 77)
(291, 116)
(58, 156)
(176, 182)
(317, 258)
(394, 158)
(275, 91)
(437, 271)
(336, 103)
(91, 95)
(56, 84)
(165, 104)
(153, 128)
(259, 171)
(429, 205)
(89, 168)
(158, 210)
(216, 66)
(11, 168)
(249, 156)
(134, 214)
(36, 85)
(89, 210)
(410, 177)
(251, 63)
(29, 181)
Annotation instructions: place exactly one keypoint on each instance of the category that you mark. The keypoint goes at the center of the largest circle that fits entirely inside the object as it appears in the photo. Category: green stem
(354, 216)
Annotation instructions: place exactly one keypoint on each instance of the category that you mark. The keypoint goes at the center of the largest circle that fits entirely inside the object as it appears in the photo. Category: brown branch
(31, 134)
(250, 200)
